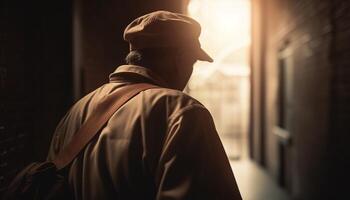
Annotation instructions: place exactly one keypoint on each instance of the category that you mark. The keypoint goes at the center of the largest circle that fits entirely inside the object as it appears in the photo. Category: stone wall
(310, 40)
(35, 79)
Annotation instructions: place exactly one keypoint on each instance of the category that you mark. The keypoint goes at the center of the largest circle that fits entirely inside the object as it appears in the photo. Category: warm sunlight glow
(223, 86)
(225, 31)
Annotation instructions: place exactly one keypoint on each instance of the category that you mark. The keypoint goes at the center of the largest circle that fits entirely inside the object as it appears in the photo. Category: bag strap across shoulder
(104, 110)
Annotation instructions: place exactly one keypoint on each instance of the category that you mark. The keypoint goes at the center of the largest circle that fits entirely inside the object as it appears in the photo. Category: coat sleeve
(193, 163)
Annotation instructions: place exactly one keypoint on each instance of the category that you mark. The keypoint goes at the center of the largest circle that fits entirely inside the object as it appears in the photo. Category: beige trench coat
(162, 144)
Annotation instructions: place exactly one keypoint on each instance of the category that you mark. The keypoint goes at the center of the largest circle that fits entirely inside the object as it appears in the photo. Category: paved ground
(254, 183)
(253, 180)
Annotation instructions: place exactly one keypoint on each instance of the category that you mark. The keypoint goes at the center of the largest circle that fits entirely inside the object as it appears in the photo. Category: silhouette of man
(162, 144)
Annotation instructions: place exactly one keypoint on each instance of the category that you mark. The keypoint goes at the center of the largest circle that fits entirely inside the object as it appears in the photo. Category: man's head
(167, 43)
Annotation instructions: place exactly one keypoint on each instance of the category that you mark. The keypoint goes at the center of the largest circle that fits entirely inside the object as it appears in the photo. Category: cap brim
(202, 55)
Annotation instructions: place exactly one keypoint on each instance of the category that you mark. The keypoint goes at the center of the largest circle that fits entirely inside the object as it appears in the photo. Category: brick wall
(35, 79)
(313, 38)
(338, 152)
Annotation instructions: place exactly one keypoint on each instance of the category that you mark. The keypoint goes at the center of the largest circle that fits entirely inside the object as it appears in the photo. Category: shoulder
(175, 102)
(170, 96)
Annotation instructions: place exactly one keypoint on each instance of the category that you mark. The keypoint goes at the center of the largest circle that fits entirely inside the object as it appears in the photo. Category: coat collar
(135, 73)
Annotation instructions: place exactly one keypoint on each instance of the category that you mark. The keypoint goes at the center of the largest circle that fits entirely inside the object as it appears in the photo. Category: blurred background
(279, 88)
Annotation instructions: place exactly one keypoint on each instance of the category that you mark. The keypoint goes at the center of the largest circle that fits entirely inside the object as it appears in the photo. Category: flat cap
(165, 29)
